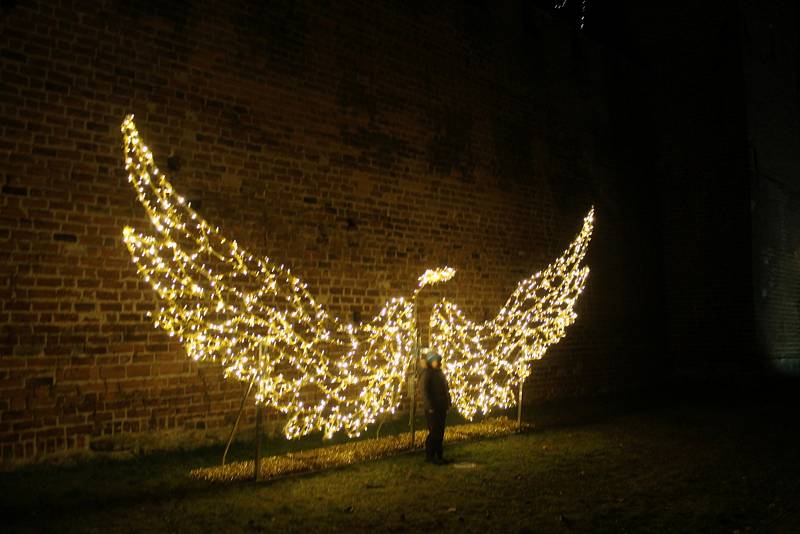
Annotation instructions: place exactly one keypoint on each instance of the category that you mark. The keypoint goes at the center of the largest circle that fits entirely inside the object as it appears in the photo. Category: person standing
(436, 400)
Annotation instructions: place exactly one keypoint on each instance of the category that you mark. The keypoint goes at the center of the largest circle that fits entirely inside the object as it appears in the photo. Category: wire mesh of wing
(485, 362)
(258, 320)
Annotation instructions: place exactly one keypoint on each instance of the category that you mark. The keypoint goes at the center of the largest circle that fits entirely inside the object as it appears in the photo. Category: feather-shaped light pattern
(258, 320)
(486, 362)
(435, 276)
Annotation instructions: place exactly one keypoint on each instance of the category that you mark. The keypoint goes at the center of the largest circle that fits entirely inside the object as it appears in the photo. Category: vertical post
(257, 468)
(519, 406)
(236, 424)
(259, 415)
(415, 364)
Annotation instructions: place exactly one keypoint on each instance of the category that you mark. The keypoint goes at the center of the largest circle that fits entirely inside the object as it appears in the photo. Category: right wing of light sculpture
(485, 362)
(258, 320)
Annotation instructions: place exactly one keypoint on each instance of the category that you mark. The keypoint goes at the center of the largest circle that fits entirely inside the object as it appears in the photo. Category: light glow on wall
(258, 320)
(485, 362)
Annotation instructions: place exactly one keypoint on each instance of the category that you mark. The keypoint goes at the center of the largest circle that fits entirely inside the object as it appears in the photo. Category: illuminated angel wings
(485, 362)
(259, 321)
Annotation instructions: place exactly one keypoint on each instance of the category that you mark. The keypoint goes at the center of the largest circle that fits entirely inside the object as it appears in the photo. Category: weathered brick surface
(771, 62)
(358, 142)
(698, 141)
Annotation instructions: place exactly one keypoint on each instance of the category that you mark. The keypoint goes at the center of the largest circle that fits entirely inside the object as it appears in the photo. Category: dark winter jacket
(435, 391)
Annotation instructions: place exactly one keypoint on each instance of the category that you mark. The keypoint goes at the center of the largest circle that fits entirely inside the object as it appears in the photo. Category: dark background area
(363, 142)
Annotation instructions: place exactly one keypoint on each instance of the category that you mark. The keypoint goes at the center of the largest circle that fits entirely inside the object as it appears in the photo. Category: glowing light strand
(561, 3)
(485, 362)
(435, 276)
(224, 304)
(259, 321)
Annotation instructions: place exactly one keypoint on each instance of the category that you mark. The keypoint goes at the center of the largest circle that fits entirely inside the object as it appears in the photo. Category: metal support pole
(238, 418)
(415, 365)
(257, 468)
(380, 425)
(519, 406)
(259, 415)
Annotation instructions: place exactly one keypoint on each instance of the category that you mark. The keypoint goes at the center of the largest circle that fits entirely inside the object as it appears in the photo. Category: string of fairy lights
(559, 4)
(434, 276)
(258, 320)
(486, 362)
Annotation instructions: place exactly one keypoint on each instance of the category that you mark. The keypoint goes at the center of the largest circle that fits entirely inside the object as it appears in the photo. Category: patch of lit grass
(347, 453)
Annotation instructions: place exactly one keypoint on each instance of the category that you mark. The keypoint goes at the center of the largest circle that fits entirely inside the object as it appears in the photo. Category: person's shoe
(444, 461)
(430, 460)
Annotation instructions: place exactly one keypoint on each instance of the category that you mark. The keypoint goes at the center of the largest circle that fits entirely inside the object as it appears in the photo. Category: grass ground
(697, 466)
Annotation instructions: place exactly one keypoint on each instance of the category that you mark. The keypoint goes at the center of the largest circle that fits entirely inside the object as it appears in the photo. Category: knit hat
(432, 356)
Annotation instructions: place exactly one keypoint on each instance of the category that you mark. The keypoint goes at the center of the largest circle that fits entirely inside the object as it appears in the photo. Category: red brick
(140, 370)
(364, 179)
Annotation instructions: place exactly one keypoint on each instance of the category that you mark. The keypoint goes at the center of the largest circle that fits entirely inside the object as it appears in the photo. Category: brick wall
(357, 142)
(771, 59)
(698, 141)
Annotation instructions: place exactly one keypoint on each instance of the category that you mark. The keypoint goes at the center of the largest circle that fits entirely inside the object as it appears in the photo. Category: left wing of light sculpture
(258, 320)
(485, 362)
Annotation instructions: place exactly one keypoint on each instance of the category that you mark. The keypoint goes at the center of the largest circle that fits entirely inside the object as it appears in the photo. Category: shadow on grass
(86, 485)
(30, 494)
